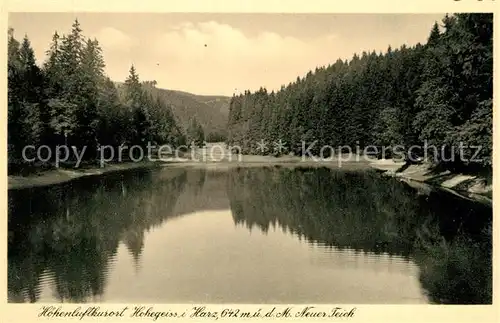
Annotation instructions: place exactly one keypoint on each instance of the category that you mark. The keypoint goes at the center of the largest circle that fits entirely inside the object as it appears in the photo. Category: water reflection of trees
(447, 236)
(71, 232)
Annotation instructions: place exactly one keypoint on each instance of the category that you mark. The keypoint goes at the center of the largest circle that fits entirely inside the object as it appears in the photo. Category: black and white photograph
(250, 158)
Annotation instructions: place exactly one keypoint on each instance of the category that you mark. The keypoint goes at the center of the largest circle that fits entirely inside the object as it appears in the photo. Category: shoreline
(419, 177)
(60, 175)
(422, 177)
(64, 175)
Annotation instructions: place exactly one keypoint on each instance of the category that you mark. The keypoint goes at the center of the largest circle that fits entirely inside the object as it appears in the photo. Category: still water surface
(250, 235)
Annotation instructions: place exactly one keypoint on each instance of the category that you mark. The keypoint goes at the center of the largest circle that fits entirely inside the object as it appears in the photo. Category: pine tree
(133, 88)
(138, 103)
(15, 112)
(434, 35)
(25, 98)
(71, 52)
(195, 133)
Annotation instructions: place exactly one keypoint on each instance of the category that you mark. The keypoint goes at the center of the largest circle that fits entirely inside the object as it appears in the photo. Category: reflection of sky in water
(203, 257)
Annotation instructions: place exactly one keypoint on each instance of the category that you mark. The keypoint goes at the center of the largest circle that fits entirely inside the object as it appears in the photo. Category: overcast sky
(243, 51)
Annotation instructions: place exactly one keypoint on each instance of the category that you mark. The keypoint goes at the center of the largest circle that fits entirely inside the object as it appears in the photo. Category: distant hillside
(221, 103)
(210, 111)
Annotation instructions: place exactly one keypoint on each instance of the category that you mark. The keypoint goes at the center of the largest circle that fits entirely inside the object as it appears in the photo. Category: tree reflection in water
(449, 238)
(70, 233)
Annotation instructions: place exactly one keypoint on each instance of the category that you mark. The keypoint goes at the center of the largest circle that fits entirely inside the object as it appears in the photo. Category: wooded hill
(439, 93)
(210, 111)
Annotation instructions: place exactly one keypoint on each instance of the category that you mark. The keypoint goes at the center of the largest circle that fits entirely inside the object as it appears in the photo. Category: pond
(247, 235)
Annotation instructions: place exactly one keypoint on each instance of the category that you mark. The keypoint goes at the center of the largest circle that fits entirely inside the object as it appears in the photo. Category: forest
(71, 101)
(437, 94)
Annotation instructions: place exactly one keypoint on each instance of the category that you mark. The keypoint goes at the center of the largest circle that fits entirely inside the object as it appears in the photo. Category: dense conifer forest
(435, 94)
(70, 101)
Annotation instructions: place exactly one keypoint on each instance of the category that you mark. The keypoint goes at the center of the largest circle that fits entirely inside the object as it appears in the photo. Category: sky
(222, 54)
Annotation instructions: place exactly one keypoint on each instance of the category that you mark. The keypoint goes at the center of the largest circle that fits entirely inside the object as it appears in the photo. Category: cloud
(112, 39)
(220, 53)
(225, 44)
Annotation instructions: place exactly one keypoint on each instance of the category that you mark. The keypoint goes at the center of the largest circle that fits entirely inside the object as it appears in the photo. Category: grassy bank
(269, 161)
